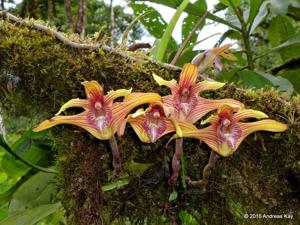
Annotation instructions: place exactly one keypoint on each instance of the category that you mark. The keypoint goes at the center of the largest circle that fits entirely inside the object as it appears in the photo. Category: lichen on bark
(261, 177)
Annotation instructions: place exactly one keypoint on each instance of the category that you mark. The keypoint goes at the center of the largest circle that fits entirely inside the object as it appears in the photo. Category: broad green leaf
(3, 213)
(169, 30)
(280, 28)
(235, 3)
(251, 79)
(279, 7)
(281, 83)
(197, 9)
(293, 76)
(254, 9)
(188, 24)
(261, 15)
(31, 216)
(28, 150)
(153, 22)
(290, 49)
(38, 190)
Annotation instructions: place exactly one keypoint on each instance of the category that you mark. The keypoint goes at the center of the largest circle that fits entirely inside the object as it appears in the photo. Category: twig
(112, 23)
(136, 46)
(187, 40)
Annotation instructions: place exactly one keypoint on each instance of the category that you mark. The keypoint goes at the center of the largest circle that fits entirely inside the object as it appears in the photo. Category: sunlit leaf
(37, 190)
(31, 216)
(293, 76)
(169, 30)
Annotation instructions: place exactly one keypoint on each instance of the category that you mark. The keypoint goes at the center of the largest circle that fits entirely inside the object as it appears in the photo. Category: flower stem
(116, 156)
(176, 161)
(206, 171)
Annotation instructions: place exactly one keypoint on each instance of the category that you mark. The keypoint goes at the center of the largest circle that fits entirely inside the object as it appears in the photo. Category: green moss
(259, 177)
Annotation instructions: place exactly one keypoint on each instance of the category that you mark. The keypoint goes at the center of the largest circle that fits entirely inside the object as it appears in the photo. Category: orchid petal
(79, 120)
(112, 95)
(170, 84)
(228, 55)
(188, 75)
(139, 112)
(211, 119)
(119, 111)
(207, 85)
(207, 105)
(264, 125)
(137, 125)
(73, 103)
(249, 113)
(92, 89)
(217, 63)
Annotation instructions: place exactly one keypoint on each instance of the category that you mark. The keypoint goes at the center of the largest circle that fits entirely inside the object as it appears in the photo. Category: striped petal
(81, 103)
(112, 95)
(207, 105)
(79, 120)
(121, 110)
(92, 89)
(188, 75)
(263, 125)
(207, 85)
(249, 113)
(172, 84)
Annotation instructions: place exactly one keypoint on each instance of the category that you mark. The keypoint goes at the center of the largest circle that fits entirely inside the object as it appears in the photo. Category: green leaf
(38, 190)
(279, 7)
(168, 32)
(153, 22)
(31, 216)
(197, 9)
(27, 150)
(228, 3)
(251, 79)
(254, 9)
(173, 196)
(293, 76)
(260, 16)
(115, 185)
(186, 218)
(290, 49)
(188, 24)
(281, 83)
(280, 28)
(137, 168)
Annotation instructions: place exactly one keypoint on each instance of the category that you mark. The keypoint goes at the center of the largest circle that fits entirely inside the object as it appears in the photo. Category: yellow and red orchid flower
(152, 123)
(226, 131)
(212, 58)
(188, 106)
(102, 116)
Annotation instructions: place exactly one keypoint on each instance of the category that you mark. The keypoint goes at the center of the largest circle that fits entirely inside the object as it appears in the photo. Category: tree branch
(82, 46)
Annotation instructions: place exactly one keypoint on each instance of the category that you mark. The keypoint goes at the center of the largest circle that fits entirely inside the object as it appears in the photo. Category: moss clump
(261, 177)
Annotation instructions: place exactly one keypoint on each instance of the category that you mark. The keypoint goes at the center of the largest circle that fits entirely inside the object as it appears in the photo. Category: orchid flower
(185, 100)
(102, 116)
(152, 123)
(188, 106)
(212, 58)
(227, 131)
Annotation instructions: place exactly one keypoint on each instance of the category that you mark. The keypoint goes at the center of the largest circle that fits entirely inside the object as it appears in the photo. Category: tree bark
(69, 15)
(81, 18)
(50, 11)
(112, 23)
(2, 5)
